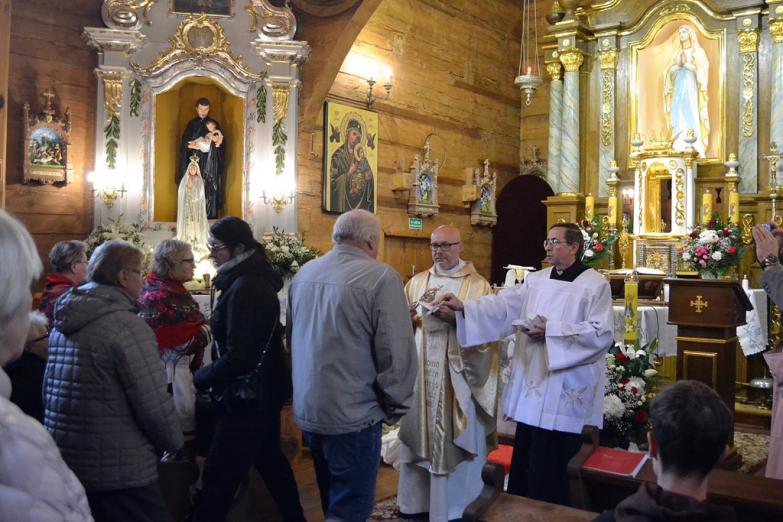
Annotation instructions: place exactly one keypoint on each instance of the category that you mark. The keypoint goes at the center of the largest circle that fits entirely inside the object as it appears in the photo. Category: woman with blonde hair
(35, 483)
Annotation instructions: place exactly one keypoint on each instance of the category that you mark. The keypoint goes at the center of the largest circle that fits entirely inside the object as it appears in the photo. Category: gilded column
(607, 58)
(572, 60)
(748, 37)
(776, 115)
(555, 118)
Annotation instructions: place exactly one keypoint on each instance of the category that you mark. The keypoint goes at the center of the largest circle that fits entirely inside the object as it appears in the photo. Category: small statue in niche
(482, 210)
(46, 144)
(423, 200)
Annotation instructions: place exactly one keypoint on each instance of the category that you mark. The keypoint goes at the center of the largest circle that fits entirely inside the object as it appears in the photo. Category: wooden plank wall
(454, 64)
(5, 42)
(47, 51)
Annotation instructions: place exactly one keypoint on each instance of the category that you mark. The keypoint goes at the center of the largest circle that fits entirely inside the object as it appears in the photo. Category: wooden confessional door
(521, 230)
(5, 51)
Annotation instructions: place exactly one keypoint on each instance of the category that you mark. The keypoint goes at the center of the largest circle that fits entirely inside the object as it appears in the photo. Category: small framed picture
(209, 7)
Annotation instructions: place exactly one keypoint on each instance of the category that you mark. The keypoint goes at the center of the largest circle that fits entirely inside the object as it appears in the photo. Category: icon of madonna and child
(199, 181)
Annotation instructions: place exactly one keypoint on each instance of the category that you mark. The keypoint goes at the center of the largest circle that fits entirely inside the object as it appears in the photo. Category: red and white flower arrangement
(714, 248)
(630, 387)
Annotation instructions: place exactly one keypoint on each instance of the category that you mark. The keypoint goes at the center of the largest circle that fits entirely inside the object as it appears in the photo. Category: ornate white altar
(146, 51)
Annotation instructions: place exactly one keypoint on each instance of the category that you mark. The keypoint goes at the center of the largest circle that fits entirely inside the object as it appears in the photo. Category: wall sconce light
(277, 201)
(371, 83)
(370, 70)
(104, 189)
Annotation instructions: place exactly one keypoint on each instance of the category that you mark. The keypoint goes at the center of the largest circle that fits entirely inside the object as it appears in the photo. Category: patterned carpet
(754, 448)
(386, 510)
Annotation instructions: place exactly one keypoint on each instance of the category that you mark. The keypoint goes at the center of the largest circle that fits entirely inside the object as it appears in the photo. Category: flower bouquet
(713, 249)
(630, 387)
(598, 241)
(115, 229)
(287, 252)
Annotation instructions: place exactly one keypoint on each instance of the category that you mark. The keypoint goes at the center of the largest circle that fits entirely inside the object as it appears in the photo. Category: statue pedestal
(564, 208)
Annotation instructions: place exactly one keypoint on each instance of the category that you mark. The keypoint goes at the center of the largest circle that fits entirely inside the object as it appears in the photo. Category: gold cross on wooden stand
(698, 304)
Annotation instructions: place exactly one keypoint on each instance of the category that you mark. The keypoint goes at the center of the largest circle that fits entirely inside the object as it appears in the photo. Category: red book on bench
(616, 461)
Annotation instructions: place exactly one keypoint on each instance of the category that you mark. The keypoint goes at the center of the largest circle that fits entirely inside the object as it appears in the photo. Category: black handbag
(243, 394)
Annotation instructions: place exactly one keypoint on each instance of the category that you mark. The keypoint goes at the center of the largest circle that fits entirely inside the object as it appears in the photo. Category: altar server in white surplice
(446, 434)
(563, 316)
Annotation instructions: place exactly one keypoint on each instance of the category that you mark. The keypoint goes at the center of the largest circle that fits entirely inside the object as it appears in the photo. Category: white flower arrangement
(116, 229)
(287, 253)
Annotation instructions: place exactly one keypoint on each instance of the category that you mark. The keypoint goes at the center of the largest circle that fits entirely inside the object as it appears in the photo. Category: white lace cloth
(653, 324)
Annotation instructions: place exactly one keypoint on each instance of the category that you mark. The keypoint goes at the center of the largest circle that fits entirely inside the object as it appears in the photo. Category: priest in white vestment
(451, 425)
(563, 319)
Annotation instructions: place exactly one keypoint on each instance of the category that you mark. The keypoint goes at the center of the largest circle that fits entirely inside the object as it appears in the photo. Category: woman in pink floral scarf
(180, 327)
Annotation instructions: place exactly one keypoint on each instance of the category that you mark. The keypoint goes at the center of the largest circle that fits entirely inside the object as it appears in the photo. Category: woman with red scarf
(181, 330)
(69, 261)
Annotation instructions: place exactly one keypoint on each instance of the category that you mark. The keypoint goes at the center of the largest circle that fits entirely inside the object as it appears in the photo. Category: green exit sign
(415, 223)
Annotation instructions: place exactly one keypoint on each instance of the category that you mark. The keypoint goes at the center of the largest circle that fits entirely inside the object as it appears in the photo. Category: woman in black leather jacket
(245, 321)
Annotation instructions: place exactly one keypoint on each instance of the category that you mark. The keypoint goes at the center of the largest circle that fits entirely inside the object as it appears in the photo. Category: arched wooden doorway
(519, 235)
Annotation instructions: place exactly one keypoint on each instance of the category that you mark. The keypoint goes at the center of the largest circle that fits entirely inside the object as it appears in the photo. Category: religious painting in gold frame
(678, 70)
(350, 178)
(208, 7)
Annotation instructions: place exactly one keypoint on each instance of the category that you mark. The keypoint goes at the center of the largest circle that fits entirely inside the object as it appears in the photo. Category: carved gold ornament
(280, 94)
(698, 304)
(748, 89)
(198, 38)
(121, 14)
(776, 30)
(572, 59)
(748, 40)
(275, 23)
(608, 59)
(679, 187)
(112, 90)
(747, 227)
(607, 112)
(553, 68)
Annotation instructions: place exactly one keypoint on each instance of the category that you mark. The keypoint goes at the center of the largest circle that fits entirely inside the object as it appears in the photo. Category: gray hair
(357, 225)
(167, 253)
(20, 265)
(65, 253)
(111, 258)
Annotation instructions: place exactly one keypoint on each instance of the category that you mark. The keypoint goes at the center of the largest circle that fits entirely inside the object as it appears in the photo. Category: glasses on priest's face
(553, 242)
(443, 246)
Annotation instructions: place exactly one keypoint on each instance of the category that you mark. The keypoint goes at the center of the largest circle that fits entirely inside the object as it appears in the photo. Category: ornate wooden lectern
(707, 313)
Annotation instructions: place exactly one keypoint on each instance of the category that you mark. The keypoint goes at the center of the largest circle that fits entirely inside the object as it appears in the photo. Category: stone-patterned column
(607, 58)
(748, 37)
(572, 60)
(555, 118)
(776, 115)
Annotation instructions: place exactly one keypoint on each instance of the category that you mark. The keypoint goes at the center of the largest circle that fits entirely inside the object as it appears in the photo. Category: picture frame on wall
(208, 7)
(350, 175)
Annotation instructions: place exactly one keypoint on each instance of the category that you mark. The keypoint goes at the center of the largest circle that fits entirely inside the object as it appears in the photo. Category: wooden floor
(386, 485)
(255, 504)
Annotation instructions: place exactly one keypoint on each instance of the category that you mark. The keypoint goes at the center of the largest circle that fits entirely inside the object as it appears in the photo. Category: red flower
(726, 232)
(598, 247)
(694, 234)
(640, 416)
(634, 390)
(624, 380)
(712, 223)
(732, 250)
(620, 356)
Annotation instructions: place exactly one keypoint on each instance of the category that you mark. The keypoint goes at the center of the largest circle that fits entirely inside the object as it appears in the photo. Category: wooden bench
(494, 505)
(753, 498)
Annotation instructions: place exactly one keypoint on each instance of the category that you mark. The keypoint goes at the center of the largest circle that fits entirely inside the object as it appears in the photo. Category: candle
(612, 212)
(631, 314)
(589, 207)
(706, 206)
(529, 70)
(734, 208)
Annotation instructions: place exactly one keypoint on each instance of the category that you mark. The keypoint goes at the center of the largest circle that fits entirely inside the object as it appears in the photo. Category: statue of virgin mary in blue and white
(685, 92)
